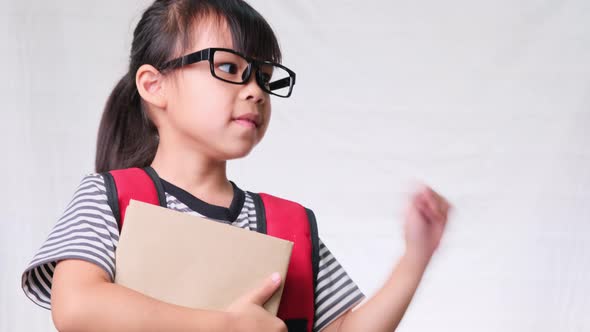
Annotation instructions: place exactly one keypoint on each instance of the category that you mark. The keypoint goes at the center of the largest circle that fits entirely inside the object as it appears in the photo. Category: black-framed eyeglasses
(233, 67)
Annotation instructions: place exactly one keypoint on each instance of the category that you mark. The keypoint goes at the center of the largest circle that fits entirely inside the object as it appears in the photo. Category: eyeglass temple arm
(188, 59)
(282, 83)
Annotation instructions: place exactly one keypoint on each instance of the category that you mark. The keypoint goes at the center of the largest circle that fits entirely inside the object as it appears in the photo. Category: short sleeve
(87, 230)
(335, 292)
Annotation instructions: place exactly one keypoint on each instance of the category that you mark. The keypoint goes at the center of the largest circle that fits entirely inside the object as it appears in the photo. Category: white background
(487, 101)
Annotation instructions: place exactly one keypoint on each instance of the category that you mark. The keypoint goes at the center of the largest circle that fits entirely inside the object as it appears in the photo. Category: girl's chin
(238, 152)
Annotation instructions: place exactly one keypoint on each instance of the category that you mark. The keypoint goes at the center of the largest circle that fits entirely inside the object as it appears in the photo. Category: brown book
(195, 262)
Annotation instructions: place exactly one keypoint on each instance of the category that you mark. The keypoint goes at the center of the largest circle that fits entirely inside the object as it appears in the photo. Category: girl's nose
(252, 92)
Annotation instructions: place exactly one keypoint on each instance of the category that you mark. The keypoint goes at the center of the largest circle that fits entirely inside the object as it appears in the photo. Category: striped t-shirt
(88, 231)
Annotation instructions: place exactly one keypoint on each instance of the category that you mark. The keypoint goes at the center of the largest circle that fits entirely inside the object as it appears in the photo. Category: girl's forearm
(104, 307)
(384, 311)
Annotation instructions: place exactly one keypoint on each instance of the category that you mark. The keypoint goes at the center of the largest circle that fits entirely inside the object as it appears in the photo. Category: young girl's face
(218, 119)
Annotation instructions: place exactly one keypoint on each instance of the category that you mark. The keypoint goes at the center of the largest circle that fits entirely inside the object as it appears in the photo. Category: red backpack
(274, 216)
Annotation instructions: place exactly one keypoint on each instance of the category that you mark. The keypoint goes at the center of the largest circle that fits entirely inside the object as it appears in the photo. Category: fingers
(264, 291)
(432, 205)
(425, 208)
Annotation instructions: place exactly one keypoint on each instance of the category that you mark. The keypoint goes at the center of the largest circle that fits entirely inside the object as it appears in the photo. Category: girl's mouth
(250, 120)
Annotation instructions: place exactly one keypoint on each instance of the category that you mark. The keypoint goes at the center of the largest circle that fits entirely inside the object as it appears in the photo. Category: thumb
(265, 290)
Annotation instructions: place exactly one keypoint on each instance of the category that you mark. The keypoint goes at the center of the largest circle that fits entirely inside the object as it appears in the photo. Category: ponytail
(126, 136)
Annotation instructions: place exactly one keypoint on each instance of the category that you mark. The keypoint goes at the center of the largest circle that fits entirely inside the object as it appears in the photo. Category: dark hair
(126, 136)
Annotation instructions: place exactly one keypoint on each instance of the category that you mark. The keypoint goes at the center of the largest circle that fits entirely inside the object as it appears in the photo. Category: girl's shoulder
(95, 180)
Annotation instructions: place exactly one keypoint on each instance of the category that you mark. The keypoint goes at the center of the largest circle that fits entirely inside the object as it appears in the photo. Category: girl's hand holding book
(248, 313)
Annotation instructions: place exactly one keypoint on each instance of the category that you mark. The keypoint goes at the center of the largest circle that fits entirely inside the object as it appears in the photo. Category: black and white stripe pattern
(88, 231)
(335, 292)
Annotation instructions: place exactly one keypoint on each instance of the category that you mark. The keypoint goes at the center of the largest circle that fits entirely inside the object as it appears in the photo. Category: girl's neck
(202, 177)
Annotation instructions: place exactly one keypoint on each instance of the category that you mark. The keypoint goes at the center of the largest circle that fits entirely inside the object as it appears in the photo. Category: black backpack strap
(260, 213)
(315, 251)
(296, 325)
(158, 184)
(112, 196)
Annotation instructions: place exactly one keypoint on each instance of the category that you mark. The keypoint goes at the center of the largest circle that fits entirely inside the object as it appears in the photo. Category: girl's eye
(265, 77)
(229, 68)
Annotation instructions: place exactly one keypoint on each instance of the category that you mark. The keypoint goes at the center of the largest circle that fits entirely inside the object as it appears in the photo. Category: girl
(198, 93)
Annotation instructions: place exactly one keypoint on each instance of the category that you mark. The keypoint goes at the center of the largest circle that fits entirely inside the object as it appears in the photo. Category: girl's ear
(149, 83)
